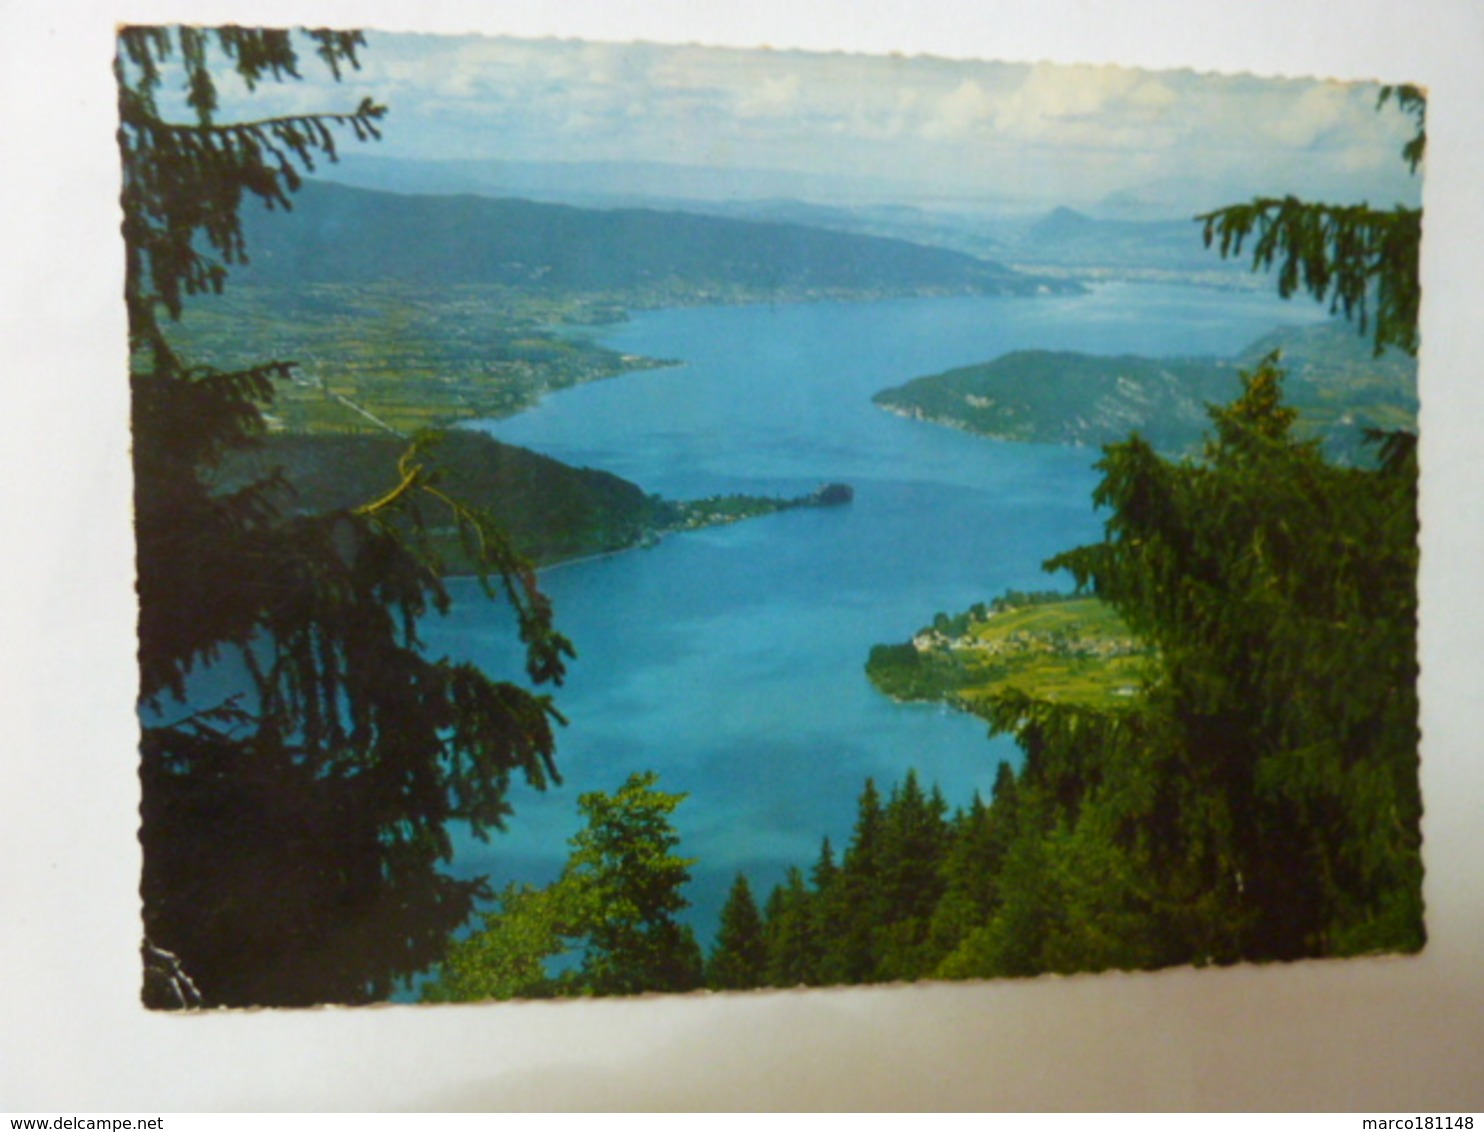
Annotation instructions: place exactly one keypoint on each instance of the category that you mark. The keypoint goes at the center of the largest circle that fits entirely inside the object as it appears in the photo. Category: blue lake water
(731, 660)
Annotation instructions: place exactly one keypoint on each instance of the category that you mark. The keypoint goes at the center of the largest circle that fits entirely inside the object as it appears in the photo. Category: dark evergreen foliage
(859, 894)
(1280, 743)
(978, 841)
(740, 958)
(913, 844)
(791, 935)
(292, 833)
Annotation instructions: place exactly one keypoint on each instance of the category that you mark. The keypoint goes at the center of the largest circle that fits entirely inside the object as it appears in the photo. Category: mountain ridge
(1063, 397)
(336, 233)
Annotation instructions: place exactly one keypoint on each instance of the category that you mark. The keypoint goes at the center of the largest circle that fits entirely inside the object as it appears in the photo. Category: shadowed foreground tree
(293, 826)
(1269, 776)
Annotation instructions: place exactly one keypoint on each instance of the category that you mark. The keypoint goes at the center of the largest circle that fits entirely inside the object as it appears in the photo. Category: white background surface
(1360, 1035)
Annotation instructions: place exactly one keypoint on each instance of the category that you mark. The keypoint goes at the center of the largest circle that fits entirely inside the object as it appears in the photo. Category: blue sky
(871, 128)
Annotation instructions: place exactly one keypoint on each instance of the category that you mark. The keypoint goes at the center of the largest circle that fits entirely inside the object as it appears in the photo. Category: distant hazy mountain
(341, 234)
(1131, 231)
(1068, 238)
(598, 183)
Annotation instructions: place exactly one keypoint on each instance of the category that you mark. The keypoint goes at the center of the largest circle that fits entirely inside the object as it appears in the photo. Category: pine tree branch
(367, 112)
(410, 479)
(1364, 260)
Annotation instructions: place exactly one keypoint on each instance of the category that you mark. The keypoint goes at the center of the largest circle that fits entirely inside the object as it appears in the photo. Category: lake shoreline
(733, 665)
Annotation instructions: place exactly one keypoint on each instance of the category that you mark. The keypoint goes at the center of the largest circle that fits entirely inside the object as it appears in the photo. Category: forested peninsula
(550, 511)
(1338, 385)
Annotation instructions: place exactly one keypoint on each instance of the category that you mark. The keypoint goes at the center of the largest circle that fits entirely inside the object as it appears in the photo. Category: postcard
(681, 518)
(769, 551)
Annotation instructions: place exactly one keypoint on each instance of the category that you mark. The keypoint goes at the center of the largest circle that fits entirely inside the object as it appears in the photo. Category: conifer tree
(1280, 591)
(978, 842)
(740, 959)
(292, 831)
(914, 839)
(1261, 798)
(789, 931)
(832, 915)
(1012, 941)
(851, 956)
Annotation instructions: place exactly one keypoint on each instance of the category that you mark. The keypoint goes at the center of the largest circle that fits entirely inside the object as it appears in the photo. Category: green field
(401, 357)
(1073, 650)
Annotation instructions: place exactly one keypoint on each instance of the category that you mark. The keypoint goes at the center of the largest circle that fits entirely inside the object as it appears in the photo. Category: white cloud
(961, 128)
(1314, 113)
(1152, 95)
(777, 96)
(1071, 103)
(959, 113)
